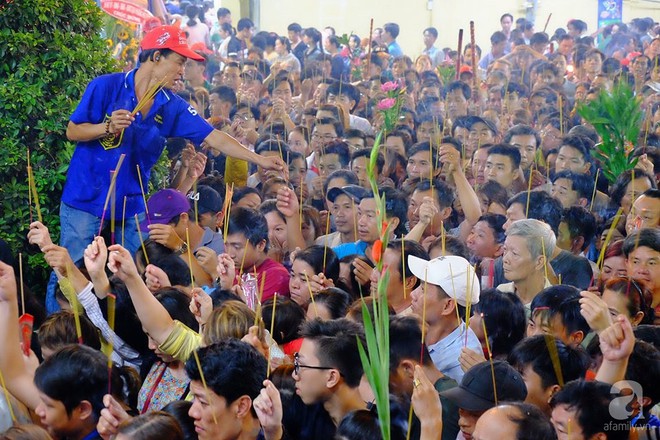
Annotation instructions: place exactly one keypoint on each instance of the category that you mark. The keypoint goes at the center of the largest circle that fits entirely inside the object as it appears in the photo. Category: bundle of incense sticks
(33, 188)
(311, 295)
(148, 96)
(111, 342)
(111, 189)
(593, 195)
(426, 285)
(490, 357)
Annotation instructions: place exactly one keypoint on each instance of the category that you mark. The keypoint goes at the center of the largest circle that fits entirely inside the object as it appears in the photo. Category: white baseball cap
(452, 274)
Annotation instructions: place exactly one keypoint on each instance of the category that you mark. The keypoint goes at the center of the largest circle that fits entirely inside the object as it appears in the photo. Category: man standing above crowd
(390, 33)
(430, 36)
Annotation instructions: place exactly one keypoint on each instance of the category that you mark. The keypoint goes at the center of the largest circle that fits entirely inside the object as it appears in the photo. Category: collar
(448, 340)
(92, 435)
(129, 83)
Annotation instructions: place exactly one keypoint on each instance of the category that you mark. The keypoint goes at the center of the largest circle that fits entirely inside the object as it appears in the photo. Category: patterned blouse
(160, 388)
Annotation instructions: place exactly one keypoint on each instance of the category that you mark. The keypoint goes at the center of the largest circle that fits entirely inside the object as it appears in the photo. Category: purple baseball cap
(163, 206)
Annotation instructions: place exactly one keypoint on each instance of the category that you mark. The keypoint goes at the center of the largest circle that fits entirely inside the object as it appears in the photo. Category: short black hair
(647, 237)
(443, 192)
(504, 315)
(339, 128)
(592, 402)
(244, 23)
(533, 351)
(432, 31)
(366, 152)
(531, 422)
(522, 130)
(273, 145)
(409, 248)
(289, 316)
(497, 37)
(542, 206)
(334, 299)
(496, 224)
(392, 29)
(462, 86)
(539, 38)
(406, 341)
(275, 83)
(294, 27)
(337, 346)
(316, 256)
(225, 93)
(562, 300)
(583, 184)
(396, 205)
(231, 369)
(343, 88)
(581, 223)
(509, 151)
(250, 223)
(340, 148)
(349, 177)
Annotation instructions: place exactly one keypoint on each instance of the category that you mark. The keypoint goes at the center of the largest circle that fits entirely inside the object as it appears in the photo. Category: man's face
(571, 159)
(564, 419)
(457, 105)
(342, 100)
(496, 424)
(536, 393)
(53, 416)
(506, 24)
(550, 138)
(429, 132)
(216, 105)
(517, 261)
(564, 240)
(283, 92)
(644, 264)
(368, 228)
(481, 241)
(429, 39)
(499, 168)
(231, 77)
(395, 143)
(430, 297)
(645, 213)
(214, 419)
(416, 200)
(329, 163)
(467, 421)
(526, 144)
(310, 383)
(171, 68)
(562, 190)
(513, 213)
(633, 190)
(479, 165)
(395, 286)
(322, 134)
(241, 251)
(344, 211)
(419, 165)
(480, 134)
(208, 220)
(359, 167)
(355, 143)
(565, 47)
(194, 70)
(294, 37)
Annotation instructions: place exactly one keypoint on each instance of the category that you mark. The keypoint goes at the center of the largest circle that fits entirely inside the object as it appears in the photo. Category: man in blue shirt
(390, 32)
(129, 114)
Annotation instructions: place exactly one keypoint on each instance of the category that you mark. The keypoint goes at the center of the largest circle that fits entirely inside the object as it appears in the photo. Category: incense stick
(33, 188)
(20, 272)
(206, 388)
(113, 212)
(593, 195)
(311, 295)
(608, 237)
(403, 264)
(144, 248)
(111, 323)
(551, 342)
(123, 222)
(545, 258)
(144, 196)
(468, 303)
(113, 182)
(148, 96)
(529, 189)
(490, 357)
(426, 285)
(325, 244)
(192, 277)
(272, 326)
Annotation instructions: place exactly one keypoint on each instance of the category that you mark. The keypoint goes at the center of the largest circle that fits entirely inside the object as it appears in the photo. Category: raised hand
(96, 256)
(39, 235)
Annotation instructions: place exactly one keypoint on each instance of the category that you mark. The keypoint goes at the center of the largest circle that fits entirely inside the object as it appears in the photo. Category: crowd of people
(228, 302)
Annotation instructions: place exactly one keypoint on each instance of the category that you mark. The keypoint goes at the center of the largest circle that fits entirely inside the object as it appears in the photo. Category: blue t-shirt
(88, 178)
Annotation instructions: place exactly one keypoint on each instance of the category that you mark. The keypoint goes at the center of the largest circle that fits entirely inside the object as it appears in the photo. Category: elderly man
(528, 243)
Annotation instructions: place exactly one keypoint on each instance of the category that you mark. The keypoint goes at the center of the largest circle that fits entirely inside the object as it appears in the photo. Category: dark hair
(250, 223)
(426, 148)
(342, 88)
(406, 341)
(231, 368)
(562, 300)
(244, 23)
(392, 29)
(542, 207)
(534, 352)
(539, 38)
(509, 151)
(289, 316)
(581, 223)
(495, 222)
(340, 148)
(521, 130)
(504, 315)
(443, 192)
(59, 329)
(275, 83)
(294, 27)
(75, 373)
(349, 176)
(334, 299)
(638, 298)
(497, 37)
(644, 368)
(225, 94)
(149, 54)
(240, 106)
(364, 424)
(337, 346)
(618, 188)
(583, 184)
(316, 255)
(151, 425)
(432, 31)
(531, 423)
(453, 246)
(241, 192)
(463, 87)
(177, 305)
(396, 205)
(409, 248)
(506, 15)
(647, 237)
(366, 152)
(494, 192)
(592, 403)
(581, 143)
(179, 410)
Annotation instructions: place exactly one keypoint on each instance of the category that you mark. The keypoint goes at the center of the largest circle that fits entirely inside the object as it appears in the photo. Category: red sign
(133, 11)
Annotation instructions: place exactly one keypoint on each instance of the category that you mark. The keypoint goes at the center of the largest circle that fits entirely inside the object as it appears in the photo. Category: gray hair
(538, 235)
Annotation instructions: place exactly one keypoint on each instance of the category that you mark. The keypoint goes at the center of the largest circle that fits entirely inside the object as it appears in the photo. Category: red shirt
(275, 278)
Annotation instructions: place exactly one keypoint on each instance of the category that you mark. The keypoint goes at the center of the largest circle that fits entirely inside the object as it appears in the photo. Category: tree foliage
(49, 51)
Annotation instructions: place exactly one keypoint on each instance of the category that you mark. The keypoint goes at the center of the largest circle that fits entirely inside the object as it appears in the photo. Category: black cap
(355, 192)
(208, 199)
(475, 393)
(490, 124)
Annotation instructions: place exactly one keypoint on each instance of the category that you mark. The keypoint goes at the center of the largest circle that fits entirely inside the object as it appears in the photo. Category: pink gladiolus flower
(389, 86)
(386, 104)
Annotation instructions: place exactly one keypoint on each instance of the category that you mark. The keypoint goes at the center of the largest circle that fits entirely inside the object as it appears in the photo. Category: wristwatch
(182, 249)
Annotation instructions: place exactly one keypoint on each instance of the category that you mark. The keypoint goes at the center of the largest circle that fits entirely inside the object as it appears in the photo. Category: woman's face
(613, 267)
(298, 286)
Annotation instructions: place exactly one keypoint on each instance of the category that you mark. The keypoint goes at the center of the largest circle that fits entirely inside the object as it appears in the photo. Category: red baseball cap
(169, 37)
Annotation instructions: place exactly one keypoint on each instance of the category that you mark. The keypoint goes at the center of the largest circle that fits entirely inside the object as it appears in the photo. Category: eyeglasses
(297, 365)
(244, 118)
